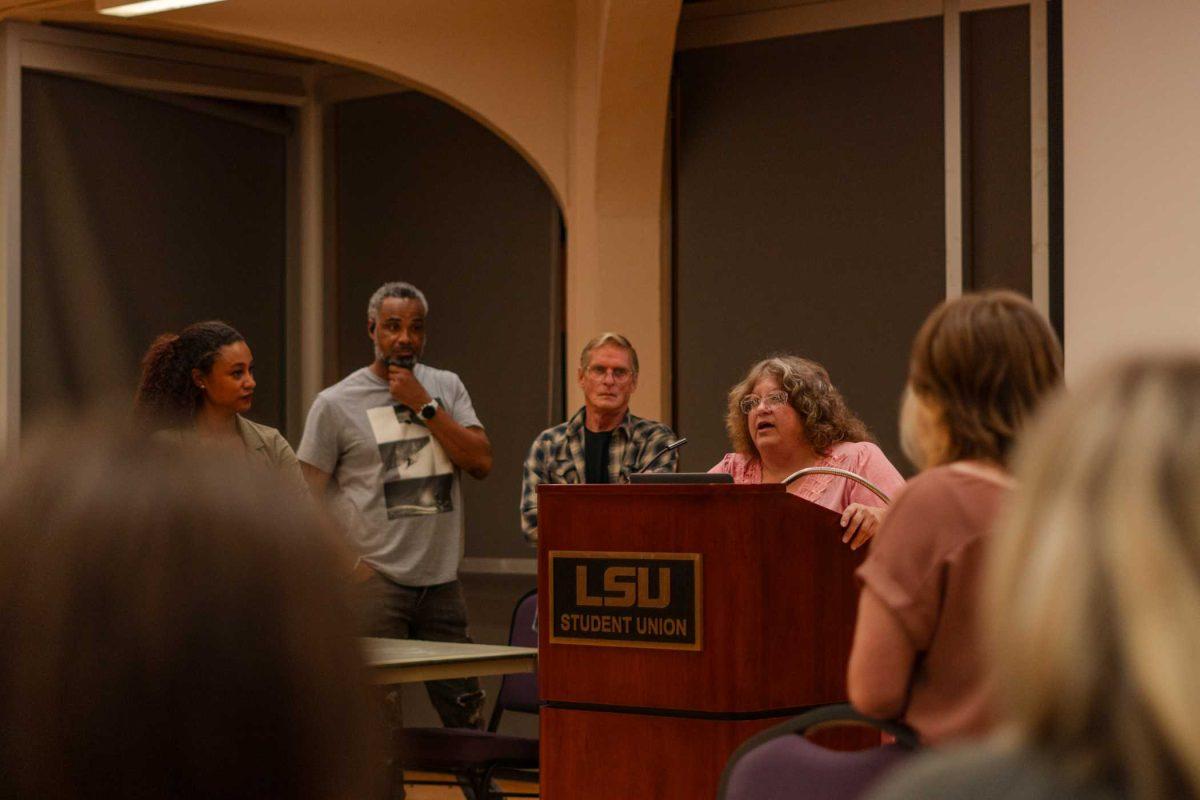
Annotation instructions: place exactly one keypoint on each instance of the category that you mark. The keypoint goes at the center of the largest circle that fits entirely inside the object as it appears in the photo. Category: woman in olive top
(195, 387)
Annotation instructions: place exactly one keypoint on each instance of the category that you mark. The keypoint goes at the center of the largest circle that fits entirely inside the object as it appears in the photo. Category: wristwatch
(429, 410)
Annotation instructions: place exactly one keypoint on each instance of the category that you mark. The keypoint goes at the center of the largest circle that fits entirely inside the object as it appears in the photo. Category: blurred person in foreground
(195, 387)
(171, 625)
(787, 415)
(980, 366)
(1092, 602)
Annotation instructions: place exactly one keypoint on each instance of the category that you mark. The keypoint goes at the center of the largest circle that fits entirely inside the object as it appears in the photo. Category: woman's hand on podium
(860, 522)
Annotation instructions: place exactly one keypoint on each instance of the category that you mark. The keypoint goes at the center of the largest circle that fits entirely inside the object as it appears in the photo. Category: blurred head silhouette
(170, 627)
(1094, 583)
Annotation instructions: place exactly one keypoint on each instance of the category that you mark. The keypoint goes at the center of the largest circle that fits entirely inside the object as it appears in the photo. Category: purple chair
(781, 764)
(474, 757)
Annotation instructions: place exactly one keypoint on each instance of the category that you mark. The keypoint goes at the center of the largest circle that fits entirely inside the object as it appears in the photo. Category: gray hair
(615, 339)
(398, 289)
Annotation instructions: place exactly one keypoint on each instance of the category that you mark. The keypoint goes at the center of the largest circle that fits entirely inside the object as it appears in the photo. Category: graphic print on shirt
(418, 476)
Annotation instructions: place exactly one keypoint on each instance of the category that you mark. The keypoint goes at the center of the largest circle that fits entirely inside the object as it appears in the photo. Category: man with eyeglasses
(602, 442)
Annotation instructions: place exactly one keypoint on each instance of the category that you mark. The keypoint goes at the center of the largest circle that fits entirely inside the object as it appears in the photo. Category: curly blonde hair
(823, 412)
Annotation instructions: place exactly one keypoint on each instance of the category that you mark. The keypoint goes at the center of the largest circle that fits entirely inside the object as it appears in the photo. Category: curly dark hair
(823, 412)
(167, 397)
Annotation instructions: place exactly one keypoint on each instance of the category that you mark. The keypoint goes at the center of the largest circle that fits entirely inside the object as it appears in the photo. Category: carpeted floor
(451, 793)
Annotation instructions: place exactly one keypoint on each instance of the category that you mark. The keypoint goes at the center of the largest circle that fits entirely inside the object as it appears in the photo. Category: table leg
(391, 697)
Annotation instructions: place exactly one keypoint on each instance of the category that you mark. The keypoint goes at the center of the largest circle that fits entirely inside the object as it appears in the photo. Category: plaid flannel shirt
(557, 457)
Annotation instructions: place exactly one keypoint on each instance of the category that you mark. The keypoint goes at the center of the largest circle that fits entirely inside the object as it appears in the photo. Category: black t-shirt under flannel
(595, 455)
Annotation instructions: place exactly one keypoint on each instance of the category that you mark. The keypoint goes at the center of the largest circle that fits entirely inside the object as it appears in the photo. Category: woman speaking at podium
(786, 415)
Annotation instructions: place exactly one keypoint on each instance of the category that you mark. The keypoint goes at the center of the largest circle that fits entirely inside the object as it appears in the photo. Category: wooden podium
(677, 620)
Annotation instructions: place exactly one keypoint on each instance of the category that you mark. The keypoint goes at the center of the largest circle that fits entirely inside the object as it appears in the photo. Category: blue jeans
(434, 613)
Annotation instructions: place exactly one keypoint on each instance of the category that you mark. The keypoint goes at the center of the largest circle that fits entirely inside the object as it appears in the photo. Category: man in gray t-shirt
(387, 443)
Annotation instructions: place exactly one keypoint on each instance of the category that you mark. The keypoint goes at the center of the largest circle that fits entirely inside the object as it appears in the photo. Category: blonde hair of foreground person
(171, 626)
(1093, 593)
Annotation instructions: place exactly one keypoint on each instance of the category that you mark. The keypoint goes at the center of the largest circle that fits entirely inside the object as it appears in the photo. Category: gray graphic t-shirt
(396, 489)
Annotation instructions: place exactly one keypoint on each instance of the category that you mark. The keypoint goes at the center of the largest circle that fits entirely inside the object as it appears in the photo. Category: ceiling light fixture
(124, 8)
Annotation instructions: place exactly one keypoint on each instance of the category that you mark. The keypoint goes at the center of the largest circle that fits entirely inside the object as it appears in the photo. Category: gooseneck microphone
(844, 473)
(680, 442)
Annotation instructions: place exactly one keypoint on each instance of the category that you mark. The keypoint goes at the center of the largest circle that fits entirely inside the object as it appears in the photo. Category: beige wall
(507, 64)
(615, 254)
(1132, 176)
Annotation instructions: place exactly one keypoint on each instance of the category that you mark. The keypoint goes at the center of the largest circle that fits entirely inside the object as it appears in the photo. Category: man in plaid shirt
(603, 442)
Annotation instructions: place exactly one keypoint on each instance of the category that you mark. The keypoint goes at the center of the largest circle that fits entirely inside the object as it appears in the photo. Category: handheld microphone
(680, 442)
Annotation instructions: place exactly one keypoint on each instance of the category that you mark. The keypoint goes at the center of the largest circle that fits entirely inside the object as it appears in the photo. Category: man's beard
(386, 359)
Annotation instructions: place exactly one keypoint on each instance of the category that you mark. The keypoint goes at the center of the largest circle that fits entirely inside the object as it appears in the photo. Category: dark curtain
(810, 216)
(138, 217)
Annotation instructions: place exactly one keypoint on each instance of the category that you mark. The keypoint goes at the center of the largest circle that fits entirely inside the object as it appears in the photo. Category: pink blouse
(831, 491)
(925, 565)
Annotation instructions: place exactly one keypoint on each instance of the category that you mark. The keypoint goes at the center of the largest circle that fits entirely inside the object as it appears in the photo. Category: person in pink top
(786, 415)
(980, 366)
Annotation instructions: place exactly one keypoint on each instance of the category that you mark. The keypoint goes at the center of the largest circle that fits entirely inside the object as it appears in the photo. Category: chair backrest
(791, 766)
(781, 763)
(520, 692)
